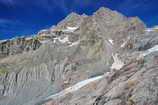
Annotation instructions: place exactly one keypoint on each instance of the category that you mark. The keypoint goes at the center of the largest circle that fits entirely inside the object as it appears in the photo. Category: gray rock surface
(107, 43)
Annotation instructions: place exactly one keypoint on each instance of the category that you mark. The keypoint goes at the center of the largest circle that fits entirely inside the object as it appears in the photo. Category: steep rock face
(80, 47)
(134, 84)
(71, 20)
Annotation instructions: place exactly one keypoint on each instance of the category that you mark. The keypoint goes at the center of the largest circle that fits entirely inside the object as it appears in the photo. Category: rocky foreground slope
(102, 59)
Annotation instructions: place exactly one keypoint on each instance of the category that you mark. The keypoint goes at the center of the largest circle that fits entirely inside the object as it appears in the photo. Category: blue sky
(26, 17)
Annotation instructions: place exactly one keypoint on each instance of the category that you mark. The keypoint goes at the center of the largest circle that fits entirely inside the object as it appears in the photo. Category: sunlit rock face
(102, 59)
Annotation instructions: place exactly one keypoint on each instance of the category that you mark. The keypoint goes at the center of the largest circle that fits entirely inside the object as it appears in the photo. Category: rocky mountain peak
(108, 13)
(103, 10)
(103, 59)
(72, 19)
(72, 15)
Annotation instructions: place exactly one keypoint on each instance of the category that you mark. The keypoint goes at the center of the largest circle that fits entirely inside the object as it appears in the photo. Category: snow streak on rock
(111, 41)
(123, 45)
(75, 87)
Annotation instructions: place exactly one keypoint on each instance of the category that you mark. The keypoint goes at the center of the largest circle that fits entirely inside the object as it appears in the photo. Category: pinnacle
(103, 9)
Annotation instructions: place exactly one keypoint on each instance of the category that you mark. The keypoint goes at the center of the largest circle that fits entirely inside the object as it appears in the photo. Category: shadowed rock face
(35, 70)
(18, 45)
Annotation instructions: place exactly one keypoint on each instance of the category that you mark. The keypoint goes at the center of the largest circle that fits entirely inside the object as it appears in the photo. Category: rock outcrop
(102, 59)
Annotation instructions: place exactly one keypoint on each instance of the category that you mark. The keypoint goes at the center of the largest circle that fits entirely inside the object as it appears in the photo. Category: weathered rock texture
(43, 69)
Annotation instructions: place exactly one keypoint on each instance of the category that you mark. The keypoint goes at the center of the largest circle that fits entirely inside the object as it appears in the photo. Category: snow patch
(55, 40)
(111, 41)
(64, 40)
(70, 29)
(118, 64)
(75, 87)
(74, 43)
(123, 44)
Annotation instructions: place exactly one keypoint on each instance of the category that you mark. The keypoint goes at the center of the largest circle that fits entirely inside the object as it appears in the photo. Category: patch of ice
(118, 64)
(75, 87)
(153, 49)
